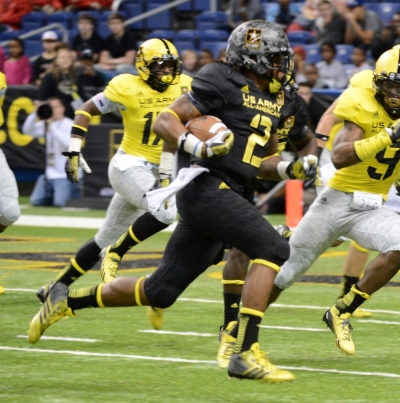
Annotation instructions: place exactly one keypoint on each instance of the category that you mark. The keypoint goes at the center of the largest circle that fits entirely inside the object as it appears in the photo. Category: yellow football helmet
(158, 63)
(387, 82)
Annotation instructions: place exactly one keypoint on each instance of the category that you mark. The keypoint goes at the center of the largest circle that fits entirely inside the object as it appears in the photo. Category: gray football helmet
(261, 46)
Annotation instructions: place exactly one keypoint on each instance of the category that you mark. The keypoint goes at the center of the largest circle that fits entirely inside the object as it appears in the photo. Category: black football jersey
(252, 115)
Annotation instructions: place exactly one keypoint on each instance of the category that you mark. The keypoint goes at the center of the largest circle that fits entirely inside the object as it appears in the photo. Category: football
(205, 127)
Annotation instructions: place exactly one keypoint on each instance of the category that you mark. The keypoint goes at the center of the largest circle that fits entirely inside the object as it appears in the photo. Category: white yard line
(66, 222)
(178, 333)
(213, 301)
(21, 336)
(184, 360)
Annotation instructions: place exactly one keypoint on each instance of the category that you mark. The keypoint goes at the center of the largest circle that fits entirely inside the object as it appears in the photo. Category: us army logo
(253, 39)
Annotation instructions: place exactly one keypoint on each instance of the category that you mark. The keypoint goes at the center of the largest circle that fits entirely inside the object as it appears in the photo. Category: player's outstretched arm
(78, 132)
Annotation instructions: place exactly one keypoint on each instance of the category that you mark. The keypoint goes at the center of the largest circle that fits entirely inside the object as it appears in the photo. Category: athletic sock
(89, 297)
(351, 301)
(249, 326)
(348, 282)
(231, 308)
(144, 227)
(85, 259)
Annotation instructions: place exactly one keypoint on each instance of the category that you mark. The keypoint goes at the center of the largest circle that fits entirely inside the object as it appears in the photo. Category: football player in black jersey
(248, 95)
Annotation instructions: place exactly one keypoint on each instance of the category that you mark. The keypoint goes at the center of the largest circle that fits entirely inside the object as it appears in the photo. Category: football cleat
(284, 231)
(43, 292)
(226, 345)
(360, 313)
(341, 328)
(254, 364)
(156, 317)
(53, 309)
(109, 265)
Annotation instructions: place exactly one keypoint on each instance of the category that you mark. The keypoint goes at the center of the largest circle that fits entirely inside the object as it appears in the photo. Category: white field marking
(184, 360)
(21, 336)
(378, 321)
(306, 329)
(67, 222)
(178, 333)
(213, 301)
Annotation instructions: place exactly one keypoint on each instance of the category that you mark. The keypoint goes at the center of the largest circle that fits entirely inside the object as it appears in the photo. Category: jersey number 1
(147, 129)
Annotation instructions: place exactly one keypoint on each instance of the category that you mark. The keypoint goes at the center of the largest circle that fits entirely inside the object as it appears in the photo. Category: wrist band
(166, 163)
(282, 168)
(75, 144)
(191, 144)
(78, 130)
(322, 137)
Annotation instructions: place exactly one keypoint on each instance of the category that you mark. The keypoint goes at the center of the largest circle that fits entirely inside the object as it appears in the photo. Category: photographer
(49, 121)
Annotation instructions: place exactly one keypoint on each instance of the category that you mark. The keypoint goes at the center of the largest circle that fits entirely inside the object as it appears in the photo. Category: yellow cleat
(341, 328)
(156, 317)
(254, 364)
(226, 345)
(109, 265)
(53, 309)
(360, 313)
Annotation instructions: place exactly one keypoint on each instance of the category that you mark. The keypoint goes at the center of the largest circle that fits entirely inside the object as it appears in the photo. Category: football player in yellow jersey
(366, 154)
(135, 168)
(9, 207)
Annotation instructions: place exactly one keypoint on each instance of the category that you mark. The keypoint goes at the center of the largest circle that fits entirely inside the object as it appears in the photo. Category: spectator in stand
(206, 56)
(120, 48)
(79, 5)
(17, 67)
(315, 109)
(61, 82)
(239, 11)
(11, 13)
(2, 57)
(359, 59)
(329, 69)
(312, 77)
(47, 6)
(87, 37)
(362, 24)
(86, 74)
(299, 60)
(52, 188)
(44, 61)
(221, 55)
(190, 63)
(305, 20)
(329, 25)
(389, 37)
(284, 17)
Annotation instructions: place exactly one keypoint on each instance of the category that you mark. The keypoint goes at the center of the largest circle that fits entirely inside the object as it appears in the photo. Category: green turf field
(113, 355)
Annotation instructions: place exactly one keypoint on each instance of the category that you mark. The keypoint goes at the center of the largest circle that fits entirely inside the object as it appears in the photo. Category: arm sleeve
(32, 127)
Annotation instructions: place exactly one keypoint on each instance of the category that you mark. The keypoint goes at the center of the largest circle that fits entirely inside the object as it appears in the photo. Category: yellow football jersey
(363, 79)
(376, 175)
(142, 104)
(3, 88)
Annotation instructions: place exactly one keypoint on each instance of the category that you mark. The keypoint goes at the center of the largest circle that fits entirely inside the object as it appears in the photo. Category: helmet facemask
(387, 92)
(158, 63)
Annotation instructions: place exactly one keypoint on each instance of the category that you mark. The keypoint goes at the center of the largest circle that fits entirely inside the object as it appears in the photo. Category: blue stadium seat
(161, 33)
(62, 17)
(185, 39)
(384, 10)
(161, 20)
(343, 53)
(201, 5)
(300, 37)
(133, 10)
(33, 47)
(6, 36)
(209, 37)
(187, 6)
(33, 21)
(211, 20)
(313, 54)
(102, 29)
(216, 47)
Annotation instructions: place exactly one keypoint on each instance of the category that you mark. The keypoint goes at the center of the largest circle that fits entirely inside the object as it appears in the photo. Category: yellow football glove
(74, 161)
(220, 144)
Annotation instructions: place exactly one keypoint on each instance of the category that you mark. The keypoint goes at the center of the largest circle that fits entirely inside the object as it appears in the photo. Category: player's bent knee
(162, 297)
(10, 214)
(166, 216)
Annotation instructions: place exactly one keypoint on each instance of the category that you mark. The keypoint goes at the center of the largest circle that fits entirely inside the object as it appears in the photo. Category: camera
(44, 112)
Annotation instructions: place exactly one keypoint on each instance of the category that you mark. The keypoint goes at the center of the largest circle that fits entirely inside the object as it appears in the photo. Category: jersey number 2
(256, 139)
